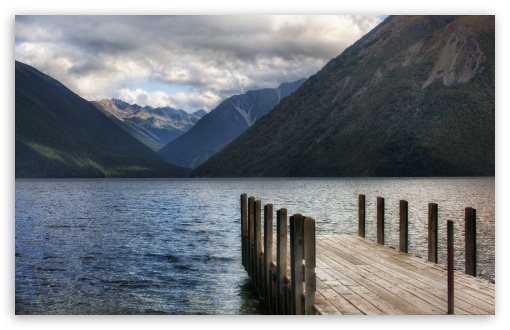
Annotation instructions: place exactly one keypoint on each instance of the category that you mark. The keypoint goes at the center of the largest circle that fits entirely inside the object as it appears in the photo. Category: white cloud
(210, 57)
(190, 101)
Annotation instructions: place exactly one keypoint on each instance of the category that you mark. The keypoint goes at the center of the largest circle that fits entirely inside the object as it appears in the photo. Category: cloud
(209, 57)
(178, 100)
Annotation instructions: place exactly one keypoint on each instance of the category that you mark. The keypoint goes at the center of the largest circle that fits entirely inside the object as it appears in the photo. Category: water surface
(172, 246)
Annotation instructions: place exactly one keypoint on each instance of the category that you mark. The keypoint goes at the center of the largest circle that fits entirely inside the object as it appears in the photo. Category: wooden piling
(295, 292)
(404, 226)
(310, 264)
(296, 263)
(268, 252)
(281, 258)
(432, 233)
(260, 277)
(361, 215)
(244, 227)
(258, 244)
(380, 220)
(450, 266)
(270, 289)
(251, 235)
(470, 240)
(286, 299)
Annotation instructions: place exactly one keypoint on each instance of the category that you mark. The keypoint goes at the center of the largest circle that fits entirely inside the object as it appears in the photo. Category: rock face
(414, 97)
(223, 124)
(61, 135)
(155, 127)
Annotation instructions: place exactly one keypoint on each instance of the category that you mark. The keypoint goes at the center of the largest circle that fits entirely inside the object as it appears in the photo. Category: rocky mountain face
(223, 124)
(60, 135)
(155, 127)
(414, 97)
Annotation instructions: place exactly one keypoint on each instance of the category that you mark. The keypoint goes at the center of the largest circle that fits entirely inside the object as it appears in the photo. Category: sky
(187, 62)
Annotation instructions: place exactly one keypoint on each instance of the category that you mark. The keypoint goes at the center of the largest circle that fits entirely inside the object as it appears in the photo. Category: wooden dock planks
(358, 276)
(305, 273)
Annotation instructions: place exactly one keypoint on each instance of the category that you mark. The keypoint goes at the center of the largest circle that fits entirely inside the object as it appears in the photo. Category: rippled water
(172, 246)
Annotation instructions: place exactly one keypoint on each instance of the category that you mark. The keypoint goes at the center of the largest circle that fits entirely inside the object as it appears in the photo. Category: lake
(172, 246)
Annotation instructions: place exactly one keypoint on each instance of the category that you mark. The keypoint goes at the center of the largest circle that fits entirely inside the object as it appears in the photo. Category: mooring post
(380, 220)
(432, 232)
(260, 277)
(268, 251)
(251, 236)
(404, 226)
(281, 259)
(451, 265)
(286, 300)
(244, 228)
(470, 240)
(271, 299)
(361, 214)
(310, 264)
(296, 263)
(258, 244)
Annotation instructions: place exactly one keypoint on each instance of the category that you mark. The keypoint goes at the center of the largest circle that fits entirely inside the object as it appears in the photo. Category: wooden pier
(299, 272)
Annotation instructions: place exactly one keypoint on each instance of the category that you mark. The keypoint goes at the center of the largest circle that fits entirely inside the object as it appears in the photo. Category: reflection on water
(173, 246)
(250, 305)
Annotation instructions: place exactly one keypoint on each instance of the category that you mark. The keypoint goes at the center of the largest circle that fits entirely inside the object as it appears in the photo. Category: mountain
(59, 134)
(223, 124)
(413, 97)
(155, 127)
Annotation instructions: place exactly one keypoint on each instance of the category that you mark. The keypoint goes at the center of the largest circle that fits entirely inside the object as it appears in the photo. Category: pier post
(281, 259)
(244, 227)
(286, 300)
(268, 252)
(451, 265)
(404, 226)
(470, 240)
(310, 264)
(258, 245)
(380, 220)
(432, 233)
(251, 235)
(361, 214)
(270, 302)
(296, 263)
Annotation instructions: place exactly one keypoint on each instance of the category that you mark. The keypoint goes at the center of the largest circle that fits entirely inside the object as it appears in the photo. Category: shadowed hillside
(223, 124)
(414, 97)
(59, 135)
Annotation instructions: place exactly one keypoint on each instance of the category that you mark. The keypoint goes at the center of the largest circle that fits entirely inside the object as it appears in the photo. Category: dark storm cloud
(202, 59)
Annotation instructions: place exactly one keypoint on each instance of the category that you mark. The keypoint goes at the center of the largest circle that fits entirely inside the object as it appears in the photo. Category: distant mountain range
(413, 97)
(59, 134)
(223, 124)
(155, 127)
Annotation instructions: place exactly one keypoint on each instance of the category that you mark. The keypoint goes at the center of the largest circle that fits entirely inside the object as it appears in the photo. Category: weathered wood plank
(310, 264)
(353, 278)
(432, 232)
(361, 215)
(470, 240)
(244, 227)
(418, 281)
(403, 226)
(296, 260)
(356, 276)
(381, 303)
(380, 220)
(339, 302)
(352, 275)
(282, 257)
(268, 252)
